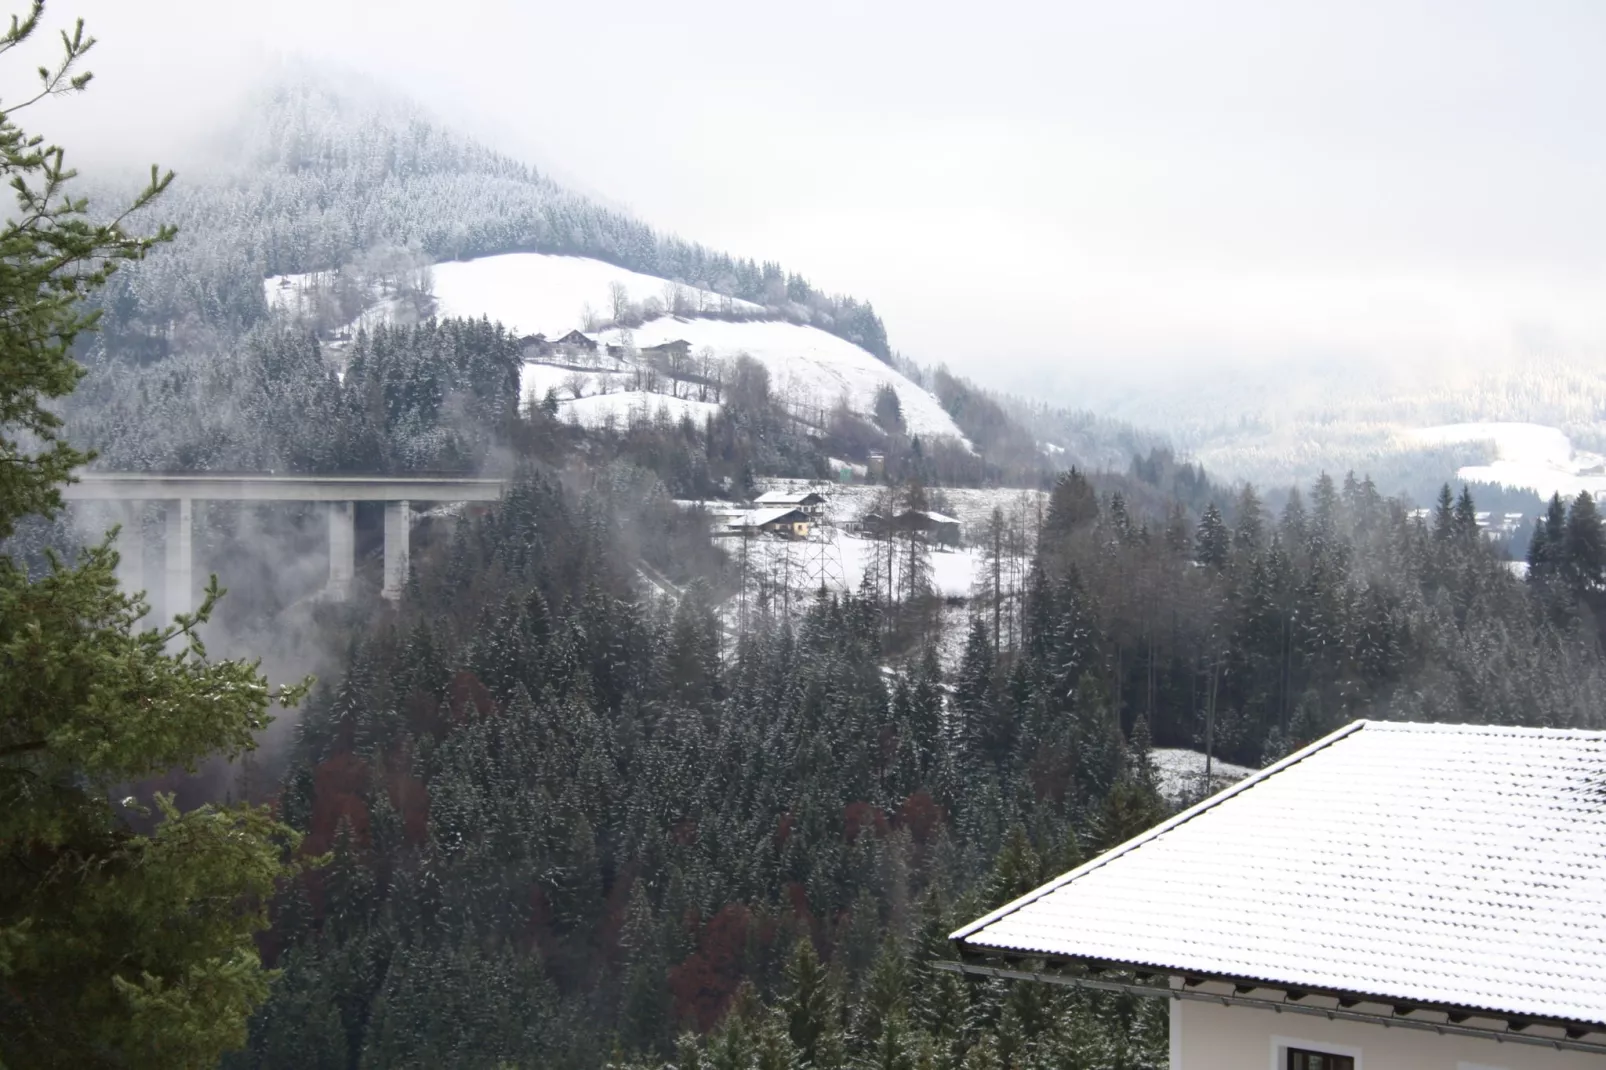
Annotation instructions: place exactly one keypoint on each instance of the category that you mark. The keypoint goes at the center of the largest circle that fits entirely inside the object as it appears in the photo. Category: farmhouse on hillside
(936, 527)
(791, 523)
(1392, 897)
(869, 523)
(577, 340)
(678, 350)
(806, 500)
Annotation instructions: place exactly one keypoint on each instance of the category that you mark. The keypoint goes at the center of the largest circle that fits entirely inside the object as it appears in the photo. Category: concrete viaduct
(177, 492)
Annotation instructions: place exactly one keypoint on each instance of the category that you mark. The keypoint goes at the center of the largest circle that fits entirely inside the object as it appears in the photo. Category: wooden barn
(679, 350)
(936, 528)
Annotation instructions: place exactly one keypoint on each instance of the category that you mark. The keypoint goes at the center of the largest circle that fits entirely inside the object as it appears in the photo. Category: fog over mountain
(1069, 197)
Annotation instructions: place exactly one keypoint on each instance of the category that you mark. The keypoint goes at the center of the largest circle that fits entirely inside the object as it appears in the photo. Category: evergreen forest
(567, 818)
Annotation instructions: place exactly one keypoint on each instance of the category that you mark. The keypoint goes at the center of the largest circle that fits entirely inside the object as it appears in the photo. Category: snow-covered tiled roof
(784, 497)
(1448, 865)
(757, 518)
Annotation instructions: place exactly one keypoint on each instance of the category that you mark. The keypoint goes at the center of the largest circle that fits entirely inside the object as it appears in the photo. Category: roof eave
(1292, 991)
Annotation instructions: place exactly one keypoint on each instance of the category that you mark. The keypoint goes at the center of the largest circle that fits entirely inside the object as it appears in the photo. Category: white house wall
(1207, 1036)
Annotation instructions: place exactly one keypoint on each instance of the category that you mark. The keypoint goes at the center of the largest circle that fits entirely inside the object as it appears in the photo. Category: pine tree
(1072, 504)
(117, 946)
(1584, 544)
(644, 1012)
(1249, 531)
(1547, 550)
(1213, 545)
(984, 718)
(1444, 515)
(1016, 870)
(812, 1006)
(1466, 517)
(896, 1047)
(886, 988)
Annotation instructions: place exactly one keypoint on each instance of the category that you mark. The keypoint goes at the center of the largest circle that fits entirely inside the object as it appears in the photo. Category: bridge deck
(139, 486)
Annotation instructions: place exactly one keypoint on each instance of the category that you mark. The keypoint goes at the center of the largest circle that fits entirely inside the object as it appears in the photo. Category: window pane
(1299, 1059)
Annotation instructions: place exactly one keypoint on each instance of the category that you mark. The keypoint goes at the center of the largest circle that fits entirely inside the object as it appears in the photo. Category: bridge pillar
(397, 550)
(343, 550)
(180, 586)
(131, 549)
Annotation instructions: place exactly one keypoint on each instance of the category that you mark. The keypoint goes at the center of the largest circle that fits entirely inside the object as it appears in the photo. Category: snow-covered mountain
(319, 176)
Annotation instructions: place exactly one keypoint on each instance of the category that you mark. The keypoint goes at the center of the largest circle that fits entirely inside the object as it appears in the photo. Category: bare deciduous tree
(619, 299)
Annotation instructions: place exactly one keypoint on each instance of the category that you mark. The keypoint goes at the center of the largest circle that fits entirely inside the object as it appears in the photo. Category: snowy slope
(535, 293)
(1181, 773)
(1526, 455)
(953, 571)
(529, 293)
(633, 406)
(972, 506)
(808, 367)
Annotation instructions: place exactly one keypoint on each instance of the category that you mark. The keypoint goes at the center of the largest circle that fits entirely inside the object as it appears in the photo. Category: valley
(724, 661)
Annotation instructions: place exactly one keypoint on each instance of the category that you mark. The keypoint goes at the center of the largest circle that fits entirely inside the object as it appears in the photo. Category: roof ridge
(1159, 830)
(1445, 728)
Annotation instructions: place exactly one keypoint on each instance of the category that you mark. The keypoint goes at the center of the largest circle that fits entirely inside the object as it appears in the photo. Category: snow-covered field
(619, 407)
(953, 571)
(1526, 455)
(809, 368)
(786, 560)
(633, 406)
(971, 506)
(536, 292)
(1181, 773)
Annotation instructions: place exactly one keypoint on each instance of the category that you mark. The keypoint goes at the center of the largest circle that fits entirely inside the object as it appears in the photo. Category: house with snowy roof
(937, 527)
(791, 523)
(806, 500)
(1392, 897)
(577, 340)
(678, 349)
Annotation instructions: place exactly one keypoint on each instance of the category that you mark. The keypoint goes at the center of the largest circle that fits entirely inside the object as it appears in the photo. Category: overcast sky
(1028, 192)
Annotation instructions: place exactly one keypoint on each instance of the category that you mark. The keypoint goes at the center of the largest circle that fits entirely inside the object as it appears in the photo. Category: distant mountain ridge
(317, 175)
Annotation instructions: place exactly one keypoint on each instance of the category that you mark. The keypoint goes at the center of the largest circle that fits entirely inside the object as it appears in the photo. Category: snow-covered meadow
(1181, 773)
(540, 293)
(1526, 455)
(808, 367)
(847, 556)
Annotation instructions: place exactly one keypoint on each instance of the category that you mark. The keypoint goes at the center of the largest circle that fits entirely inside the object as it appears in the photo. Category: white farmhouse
(1392, 897)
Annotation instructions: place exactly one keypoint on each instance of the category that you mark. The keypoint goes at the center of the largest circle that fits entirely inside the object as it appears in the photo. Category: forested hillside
(574, 819)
